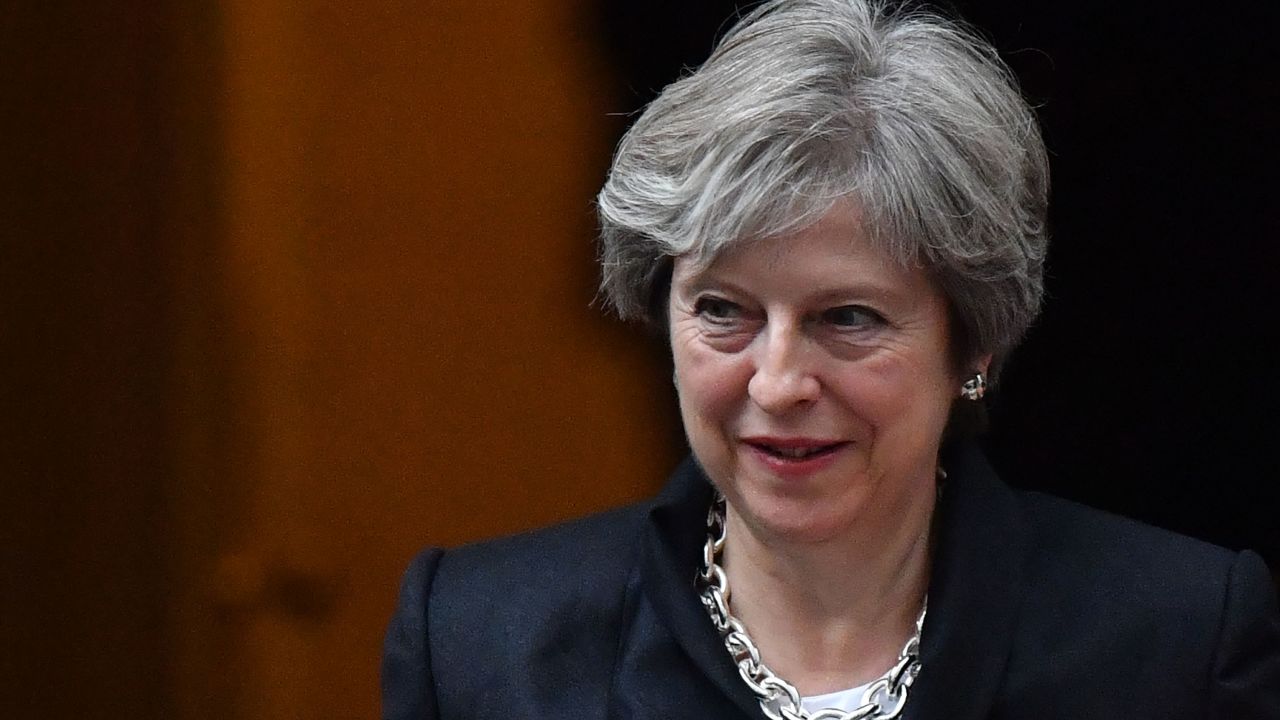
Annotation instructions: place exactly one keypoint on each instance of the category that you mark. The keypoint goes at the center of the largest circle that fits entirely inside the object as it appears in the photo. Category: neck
(835, 614)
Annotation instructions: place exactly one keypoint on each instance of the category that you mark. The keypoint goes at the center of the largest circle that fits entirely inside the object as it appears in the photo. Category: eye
(716, 310)
(851, 316)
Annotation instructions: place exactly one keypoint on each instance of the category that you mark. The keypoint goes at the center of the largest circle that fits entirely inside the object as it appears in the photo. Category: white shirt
(845, 700)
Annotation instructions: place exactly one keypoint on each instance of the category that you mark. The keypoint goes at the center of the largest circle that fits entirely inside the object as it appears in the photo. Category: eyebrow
(841, 293)
(835, 295)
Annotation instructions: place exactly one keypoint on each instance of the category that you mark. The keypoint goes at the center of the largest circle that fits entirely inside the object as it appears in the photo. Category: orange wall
(317, 278)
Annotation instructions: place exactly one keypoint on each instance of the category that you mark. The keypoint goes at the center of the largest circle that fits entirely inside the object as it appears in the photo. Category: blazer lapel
(671, 554)
(975, 593)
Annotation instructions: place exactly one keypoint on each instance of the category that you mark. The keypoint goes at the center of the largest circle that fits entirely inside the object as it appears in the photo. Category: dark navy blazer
(1038, 608)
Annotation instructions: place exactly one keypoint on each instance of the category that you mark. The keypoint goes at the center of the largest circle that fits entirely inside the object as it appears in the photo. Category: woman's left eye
(851, 316)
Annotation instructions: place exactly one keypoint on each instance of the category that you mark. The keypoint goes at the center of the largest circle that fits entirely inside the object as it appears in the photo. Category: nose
(783, 378)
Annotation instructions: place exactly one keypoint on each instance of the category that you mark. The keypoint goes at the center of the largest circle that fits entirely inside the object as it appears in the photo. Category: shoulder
(491, 619)
(1073, 561)
(1093, 567)
(1103, 615)
(559, 587)
(1114, 600)
(1088, 545)
(528, 572)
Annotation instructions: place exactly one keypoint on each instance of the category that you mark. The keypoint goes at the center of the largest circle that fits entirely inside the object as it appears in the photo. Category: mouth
(794, 450)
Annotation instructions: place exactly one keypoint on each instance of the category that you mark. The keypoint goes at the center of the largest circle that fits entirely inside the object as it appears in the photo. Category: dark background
(1149, 385)
(257, 343)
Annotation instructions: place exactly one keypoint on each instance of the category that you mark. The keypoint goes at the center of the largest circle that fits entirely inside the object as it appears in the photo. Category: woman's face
(814, 379)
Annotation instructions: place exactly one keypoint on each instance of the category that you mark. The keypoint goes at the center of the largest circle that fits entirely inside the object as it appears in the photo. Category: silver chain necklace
(883, 699)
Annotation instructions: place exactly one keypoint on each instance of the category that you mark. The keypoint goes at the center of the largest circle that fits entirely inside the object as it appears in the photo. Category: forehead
(834, 253)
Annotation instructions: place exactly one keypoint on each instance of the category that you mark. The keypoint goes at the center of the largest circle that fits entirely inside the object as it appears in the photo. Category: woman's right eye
(716, 309)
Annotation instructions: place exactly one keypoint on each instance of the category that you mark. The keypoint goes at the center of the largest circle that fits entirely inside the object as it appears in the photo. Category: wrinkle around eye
(730, 337)
(727, 340)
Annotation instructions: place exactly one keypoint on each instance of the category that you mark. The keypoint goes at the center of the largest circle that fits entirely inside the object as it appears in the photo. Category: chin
(802, 518)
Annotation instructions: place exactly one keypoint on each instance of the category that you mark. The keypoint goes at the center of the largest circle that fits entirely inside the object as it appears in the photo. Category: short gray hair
(805, 102)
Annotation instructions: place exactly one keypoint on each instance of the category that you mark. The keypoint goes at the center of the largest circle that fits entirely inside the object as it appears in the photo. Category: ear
(983, 364)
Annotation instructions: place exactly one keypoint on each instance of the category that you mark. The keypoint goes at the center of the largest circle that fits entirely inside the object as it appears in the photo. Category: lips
(794, 453)
(793, 449)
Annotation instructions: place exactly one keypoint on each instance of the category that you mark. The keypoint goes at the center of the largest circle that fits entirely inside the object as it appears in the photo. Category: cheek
(711, 385)
(898, 399)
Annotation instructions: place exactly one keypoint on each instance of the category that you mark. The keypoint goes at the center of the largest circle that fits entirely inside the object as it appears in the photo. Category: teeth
(795, 452)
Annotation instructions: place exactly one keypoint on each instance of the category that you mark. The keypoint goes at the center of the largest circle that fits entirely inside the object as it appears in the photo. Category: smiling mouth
(803, 452)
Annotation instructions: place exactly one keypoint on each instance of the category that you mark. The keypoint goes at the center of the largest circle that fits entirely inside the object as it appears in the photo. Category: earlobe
(975, 387)
(983, 365)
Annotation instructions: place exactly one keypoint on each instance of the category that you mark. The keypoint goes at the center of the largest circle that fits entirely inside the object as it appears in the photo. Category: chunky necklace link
(883, 699)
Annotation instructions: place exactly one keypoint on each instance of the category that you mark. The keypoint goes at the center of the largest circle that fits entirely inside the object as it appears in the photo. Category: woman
(838, 224)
